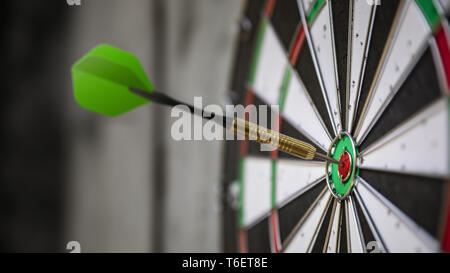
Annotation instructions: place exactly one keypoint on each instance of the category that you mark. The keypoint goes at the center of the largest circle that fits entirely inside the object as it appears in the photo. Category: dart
(110, 81)
(270, 126)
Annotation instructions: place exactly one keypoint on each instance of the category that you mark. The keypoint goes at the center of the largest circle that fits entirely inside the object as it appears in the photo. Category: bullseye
(344, 169)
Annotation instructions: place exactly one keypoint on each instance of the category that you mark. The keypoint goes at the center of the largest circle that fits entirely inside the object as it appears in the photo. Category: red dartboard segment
(299, 42)
(242, 240)
(442, 41)
(269, 8)
(344, 169)
(275, 231)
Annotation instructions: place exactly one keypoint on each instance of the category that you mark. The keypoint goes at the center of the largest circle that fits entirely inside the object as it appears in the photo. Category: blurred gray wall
(111, 160)
(131, 187)
(200, 43)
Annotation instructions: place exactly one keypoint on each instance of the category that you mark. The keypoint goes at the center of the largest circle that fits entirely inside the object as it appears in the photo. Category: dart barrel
(275, 139)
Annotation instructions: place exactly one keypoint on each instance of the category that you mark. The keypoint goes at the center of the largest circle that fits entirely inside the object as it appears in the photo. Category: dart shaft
(327, 158)
(277, 140)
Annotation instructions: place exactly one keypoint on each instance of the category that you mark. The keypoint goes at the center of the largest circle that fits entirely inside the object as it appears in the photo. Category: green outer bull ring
(338, 188)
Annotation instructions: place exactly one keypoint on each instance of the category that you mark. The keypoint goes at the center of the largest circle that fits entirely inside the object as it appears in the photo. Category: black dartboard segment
(255, 233)
(286, 20)
(291, 213)
(341, 14)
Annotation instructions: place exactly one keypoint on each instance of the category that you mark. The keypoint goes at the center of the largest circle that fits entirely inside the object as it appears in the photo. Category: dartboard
(366, 83)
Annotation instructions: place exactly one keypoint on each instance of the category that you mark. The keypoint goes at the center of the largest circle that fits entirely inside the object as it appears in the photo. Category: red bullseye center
(344, 169)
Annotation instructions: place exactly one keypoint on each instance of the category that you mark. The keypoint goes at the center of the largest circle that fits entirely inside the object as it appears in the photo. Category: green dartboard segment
(431, 12)
(315, 10)
(102, 78)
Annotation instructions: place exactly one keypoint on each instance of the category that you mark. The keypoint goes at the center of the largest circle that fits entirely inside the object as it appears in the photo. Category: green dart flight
(110, 81)
(102, 80)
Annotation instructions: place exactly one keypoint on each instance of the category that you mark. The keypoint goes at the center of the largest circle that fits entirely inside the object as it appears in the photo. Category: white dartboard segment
(304, 237)
(308, 4)
(398, 232)
(355, 241)
(332, 246)
(360, 31)
(322, 38)
(300, 111)
(419, 146)
(257, 189)
(272, 62)
(296, 176)
(408, 42)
